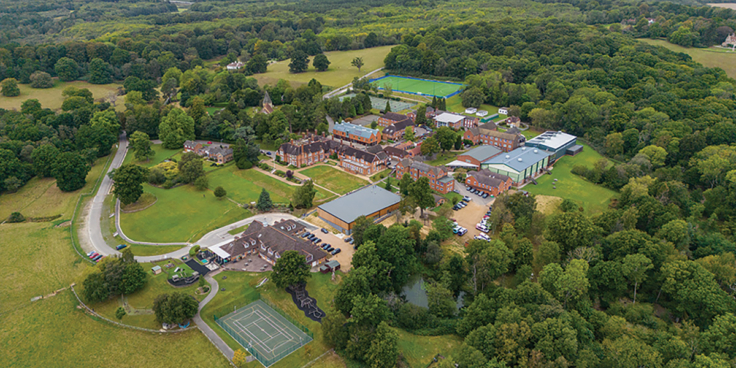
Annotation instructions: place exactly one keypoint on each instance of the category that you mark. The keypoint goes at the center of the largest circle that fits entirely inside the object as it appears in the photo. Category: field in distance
(710, 57)
(51, 97)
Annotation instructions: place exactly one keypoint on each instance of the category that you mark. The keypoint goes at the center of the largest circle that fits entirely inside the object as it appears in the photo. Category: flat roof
(520, 158)
(553, 139)
(447, 117)
(362, 202)
(483, 152)
(358, 130)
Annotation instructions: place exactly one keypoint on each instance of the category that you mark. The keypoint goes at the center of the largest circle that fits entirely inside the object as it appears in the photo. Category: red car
(209, 142)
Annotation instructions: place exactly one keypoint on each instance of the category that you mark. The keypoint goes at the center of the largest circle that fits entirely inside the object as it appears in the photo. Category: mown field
(244, 186)
(52, 98)
(338, 74)
(161, 154)
(334, 179)
(180, 214)
(34, 333)
(711, 57)
(594, 198)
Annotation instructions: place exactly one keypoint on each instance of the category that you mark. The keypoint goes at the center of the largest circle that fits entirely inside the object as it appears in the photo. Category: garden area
(334, 179)
(594, 198)
(180, 214)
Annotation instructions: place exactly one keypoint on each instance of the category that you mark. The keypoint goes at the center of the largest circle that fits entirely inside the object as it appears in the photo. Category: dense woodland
(648, 282)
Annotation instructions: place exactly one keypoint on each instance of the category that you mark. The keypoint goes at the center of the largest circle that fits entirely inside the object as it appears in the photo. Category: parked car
(485, 195)
(351, 241)
(268, 153)
(317, 240)
(209, 142)
(467, 199)
(456, 191)
(336, 250)
(330, 249)
(121, 246)
(324, 246)
(468, 187)
(97, 258)
(348, 239)
(93, 255)
(462, 232)
(325, 231)
(89, 254)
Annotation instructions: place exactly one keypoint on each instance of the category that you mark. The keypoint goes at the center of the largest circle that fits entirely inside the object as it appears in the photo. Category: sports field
(263, 332)
(416, 86)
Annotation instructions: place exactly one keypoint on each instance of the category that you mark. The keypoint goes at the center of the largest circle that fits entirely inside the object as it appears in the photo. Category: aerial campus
(347, 184)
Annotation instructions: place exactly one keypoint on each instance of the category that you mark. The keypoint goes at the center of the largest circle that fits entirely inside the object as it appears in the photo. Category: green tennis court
(266, 334)
(416, 86)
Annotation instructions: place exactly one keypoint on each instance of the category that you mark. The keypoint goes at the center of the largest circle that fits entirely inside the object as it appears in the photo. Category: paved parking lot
(476, 198)
(345, 257)
(468, 217)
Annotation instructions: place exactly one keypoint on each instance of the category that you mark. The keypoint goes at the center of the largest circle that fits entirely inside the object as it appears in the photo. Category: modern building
(396, 131)
(488, 182)
(520, 165)
(439, 179)
(356, 133)
(391, 118)
(474, 157)
(503, 110)
(455, 121)
(558, 143)
(269, 243)
(371, 202)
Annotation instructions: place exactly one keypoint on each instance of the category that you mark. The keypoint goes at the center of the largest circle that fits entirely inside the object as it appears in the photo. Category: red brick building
(488, 182)
(356, 133)
(396, 131)
(307, 151)
(361, 162)
(391, 118)
(488, 134)
(438, 178)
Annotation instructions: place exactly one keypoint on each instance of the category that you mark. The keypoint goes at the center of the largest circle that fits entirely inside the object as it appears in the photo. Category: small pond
(416, 294)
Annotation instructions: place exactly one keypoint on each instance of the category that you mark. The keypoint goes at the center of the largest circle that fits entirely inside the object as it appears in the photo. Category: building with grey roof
(356, 133)
(474, 157)
(556, 142)
(371, 202)
(520, 165)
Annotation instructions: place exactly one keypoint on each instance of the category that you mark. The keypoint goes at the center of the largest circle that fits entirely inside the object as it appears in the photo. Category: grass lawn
(238, 230)
(239, 285)
(334, 179)
(161, 154)
(338, 74)
(423, 86)
(380, 175)
(244, 186)
(419, 350)
(140, 303)
(455, 104)
(51, 97)
(593, 198)
(34, 333)
(710, 57)
(180, 214)
(444, 158)
(40, 197)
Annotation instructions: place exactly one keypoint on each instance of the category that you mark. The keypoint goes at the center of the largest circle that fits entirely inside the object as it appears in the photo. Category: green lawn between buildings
(338, 74)
(180, 214)
(594, 198)
(34, 333)
(334, 179)
(244, 186)
(444, 158)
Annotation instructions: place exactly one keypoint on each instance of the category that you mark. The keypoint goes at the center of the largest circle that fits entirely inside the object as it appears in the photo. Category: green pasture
(710, 57)
(338, 74)
(180, 214)
(161, 154)
(51, 97)
(593, 198)
(334, 179)
(423, 86)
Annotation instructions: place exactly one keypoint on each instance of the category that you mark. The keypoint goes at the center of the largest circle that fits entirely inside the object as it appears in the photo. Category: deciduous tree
(128, 179)
(299, 62)
(384, 350)
(174, 308)
(357, 62)
(10, 87)
(320, 62)
(71, 171)
(290, 269)
(141, 144)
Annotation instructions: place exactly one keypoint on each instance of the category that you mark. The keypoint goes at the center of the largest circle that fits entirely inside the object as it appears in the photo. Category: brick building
(361, 162)
(488, 134)
(439, 179)
(219, 153)
(396, 131)
(391, 118)
(269, 243)
(488, 182)
(307, 151)
(475, 156)
(356, 133)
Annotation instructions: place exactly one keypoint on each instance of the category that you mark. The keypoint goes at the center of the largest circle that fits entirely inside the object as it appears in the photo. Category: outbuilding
(330, 266)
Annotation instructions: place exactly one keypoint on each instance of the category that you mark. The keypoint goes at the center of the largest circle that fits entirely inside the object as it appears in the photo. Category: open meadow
(338, 74)
(710, 57)
(51, 97)
(180, 214)
(334, 179)
(594, 198)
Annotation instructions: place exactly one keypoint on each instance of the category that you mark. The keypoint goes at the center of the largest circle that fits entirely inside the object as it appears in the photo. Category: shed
(330, 266)
(156, 270)
(574, 150)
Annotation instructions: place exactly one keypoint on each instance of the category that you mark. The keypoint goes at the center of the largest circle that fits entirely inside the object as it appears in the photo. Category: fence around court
(266, 361)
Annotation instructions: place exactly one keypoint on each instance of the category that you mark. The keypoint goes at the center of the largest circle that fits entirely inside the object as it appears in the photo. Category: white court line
(253, 337)
(281, 330)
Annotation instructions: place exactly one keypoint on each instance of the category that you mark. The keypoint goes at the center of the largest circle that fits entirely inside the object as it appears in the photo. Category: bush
(289, 174)
(220, 192)
(194, 250)
(580, 170)
(244, 164)
(412, 317)
(202, 182)
(120, 313)
(16, 217)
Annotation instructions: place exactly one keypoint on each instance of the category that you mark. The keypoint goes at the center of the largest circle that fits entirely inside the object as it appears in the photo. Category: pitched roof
(488, 178)
(358, 154)
(359, 203)
(396, 152)
(353, 129)
(520, 158)
(395, 116)
(280, 237)
(482, 153)
(502, 135)
(421, 166)
(374, 149)
(448, 117)
(393, 128)
(267, 99)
